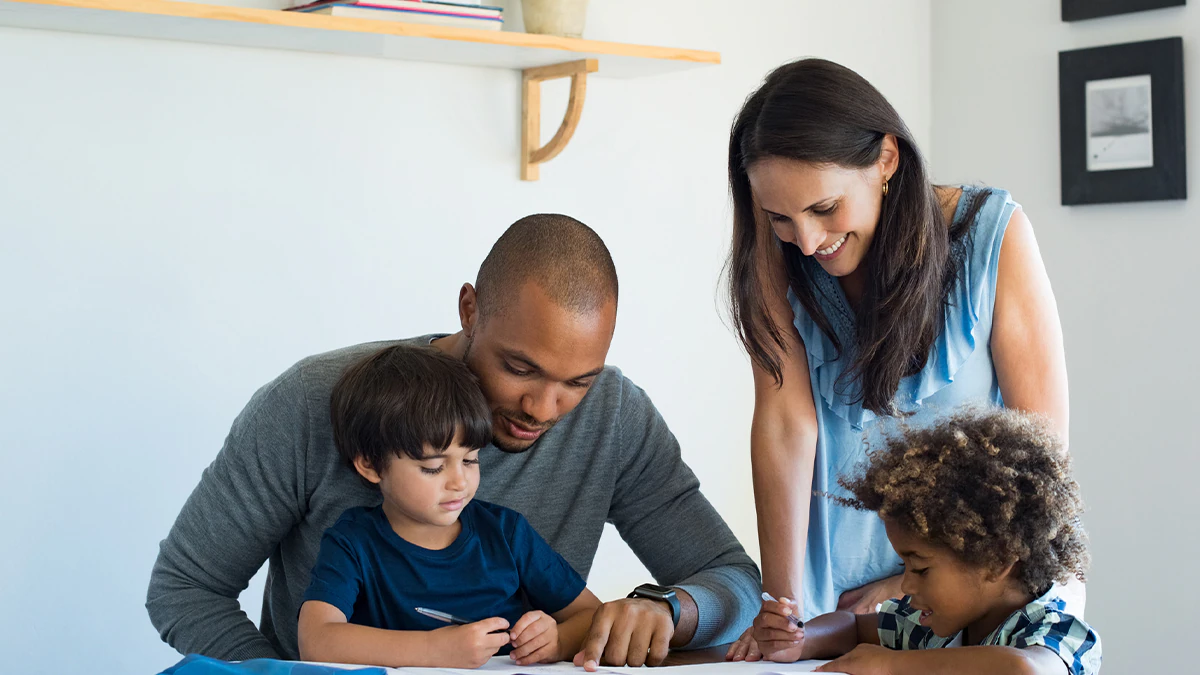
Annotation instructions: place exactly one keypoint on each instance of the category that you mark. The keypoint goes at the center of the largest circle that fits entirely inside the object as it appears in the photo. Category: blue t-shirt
(498, 566)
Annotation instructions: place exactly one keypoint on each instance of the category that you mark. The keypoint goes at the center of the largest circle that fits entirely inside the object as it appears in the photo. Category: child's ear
(364, 469)
(1001, 574)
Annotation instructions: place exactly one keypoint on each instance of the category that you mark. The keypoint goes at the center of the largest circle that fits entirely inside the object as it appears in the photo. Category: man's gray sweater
(279, 482)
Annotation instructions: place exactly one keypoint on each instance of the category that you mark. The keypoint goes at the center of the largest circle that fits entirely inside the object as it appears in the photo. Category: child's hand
(535, 639)
(864, 660)
(471, 646)
(778, 638)
(745, 649)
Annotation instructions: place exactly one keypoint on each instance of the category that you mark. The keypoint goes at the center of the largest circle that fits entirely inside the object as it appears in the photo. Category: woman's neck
(855, 283)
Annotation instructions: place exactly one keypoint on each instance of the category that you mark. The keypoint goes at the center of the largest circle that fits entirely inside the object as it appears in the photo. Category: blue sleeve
(1071, 639)
(891, 631)
(983, 264)
(336, 576)
(547, 578)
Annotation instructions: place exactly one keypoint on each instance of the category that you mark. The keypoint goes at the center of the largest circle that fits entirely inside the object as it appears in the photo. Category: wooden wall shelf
(273, 29)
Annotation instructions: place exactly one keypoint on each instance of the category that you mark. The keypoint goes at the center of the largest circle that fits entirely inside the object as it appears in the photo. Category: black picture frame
(1096, 161)
(1078, 10)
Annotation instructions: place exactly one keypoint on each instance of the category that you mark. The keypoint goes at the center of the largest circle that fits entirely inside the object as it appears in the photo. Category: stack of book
(461, 14)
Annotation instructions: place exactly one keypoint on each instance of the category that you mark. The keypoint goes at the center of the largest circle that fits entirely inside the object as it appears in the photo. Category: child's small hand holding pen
(472, 644)
(535, 639)
(778, 631)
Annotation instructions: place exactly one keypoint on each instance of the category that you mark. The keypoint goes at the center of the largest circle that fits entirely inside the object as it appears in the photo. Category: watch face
(662, 594)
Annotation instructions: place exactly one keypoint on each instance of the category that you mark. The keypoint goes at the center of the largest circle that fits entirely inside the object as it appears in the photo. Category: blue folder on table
(194, 664)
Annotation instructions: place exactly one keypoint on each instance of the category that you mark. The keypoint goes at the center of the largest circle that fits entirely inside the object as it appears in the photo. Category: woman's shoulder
(975, 204)
(981, 215)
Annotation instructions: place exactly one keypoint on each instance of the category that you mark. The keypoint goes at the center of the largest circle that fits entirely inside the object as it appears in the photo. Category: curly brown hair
(994, 486)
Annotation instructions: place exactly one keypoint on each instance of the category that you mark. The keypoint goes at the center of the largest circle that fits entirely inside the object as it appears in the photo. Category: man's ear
(468, 309)
(364, 469)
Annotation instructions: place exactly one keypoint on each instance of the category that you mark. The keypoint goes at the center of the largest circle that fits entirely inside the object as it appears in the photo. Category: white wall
(1124, 277)
(182, 222)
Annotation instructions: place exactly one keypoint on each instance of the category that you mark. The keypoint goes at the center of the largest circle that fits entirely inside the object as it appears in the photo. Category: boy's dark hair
(994, 486)
(401, 399)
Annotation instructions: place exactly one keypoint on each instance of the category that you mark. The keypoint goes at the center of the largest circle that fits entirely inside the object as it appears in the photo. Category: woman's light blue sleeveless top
(848, 548)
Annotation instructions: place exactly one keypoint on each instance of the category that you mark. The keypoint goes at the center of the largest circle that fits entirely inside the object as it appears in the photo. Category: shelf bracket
(531, 112)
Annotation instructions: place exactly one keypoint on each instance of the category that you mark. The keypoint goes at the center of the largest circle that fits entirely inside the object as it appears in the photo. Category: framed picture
(1121, 123)
(1077, 10)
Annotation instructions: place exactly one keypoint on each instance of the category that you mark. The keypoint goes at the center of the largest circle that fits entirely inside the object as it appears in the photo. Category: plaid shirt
(1042, 622)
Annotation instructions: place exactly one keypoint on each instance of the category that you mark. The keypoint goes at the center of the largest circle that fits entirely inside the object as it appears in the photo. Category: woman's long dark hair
(819, 112)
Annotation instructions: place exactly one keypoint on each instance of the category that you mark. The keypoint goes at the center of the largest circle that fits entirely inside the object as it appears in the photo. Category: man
(576, 444)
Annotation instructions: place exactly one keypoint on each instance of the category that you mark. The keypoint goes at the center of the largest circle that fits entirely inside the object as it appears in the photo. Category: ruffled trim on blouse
(971, 301)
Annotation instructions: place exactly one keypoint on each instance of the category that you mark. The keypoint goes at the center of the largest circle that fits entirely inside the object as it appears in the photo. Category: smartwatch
(661, 593)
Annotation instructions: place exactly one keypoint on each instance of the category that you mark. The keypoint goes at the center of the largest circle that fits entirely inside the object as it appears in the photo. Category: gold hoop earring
(885, 187)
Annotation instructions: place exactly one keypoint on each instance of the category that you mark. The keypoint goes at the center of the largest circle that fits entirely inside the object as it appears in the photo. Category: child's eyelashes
(435, 470)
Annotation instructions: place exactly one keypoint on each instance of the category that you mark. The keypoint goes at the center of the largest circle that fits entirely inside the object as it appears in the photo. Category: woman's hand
(745, 648)
(864, 660)
(866, 599)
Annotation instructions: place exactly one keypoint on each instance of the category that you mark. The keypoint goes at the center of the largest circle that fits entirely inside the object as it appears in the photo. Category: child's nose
(456, 478)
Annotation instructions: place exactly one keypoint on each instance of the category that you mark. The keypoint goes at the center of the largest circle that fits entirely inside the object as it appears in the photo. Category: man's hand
(535, 639)
(471, 646)
(864, 660)
(631, 631)
(866, 599)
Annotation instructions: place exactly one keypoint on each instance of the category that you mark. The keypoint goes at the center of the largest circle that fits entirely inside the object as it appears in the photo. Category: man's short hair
(564, 257)
(403, 399)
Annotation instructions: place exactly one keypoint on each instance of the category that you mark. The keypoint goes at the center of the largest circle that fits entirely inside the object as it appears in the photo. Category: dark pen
(449, 618)
(767, 596)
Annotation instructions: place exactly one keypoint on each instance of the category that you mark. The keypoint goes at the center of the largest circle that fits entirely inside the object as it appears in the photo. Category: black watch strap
(661, 593)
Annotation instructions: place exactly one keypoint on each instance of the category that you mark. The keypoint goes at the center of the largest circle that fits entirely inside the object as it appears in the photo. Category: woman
(865, 295)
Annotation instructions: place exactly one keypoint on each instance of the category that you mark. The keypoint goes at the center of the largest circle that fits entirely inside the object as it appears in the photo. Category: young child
(984, 514)
(411, 421)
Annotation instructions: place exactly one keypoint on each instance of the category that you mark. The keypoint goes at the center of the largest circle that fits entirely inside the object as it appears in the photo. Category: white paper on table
(502, 665)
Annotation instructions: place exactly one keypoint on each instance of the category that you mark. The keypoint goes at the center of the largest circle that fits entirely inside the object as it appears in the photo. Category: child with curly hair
(984, 514)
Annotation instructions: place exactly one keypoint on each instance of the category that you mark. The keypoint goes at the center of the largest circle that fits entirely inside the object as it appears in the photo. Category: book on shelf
(422, 6)
(360, 10)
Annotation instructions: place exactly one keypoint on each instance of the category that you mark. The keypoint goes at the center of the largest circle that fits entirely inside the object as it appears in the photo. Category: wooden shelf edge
(346, 24)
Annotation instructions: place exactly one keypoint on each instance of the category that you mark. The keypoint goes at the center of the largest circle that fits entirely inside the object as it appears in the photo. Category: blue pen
(795, 621)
